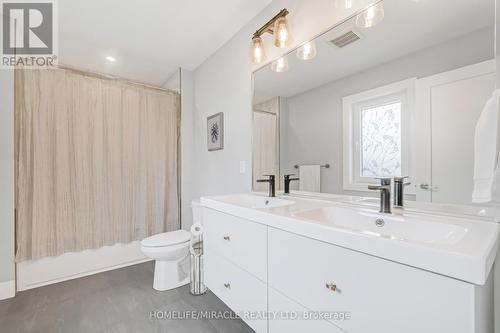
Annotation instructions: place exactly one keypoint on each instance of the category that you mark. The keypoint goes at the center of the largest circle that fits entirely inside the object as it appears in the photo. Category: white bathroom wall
(187, 138)
(317, 113)
(182, 82)
(7, 268)
(223, 84)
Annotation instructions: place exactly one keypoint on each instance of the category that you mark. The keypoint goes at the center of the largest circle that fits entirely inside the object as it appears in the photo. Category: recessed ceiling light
(109, 58)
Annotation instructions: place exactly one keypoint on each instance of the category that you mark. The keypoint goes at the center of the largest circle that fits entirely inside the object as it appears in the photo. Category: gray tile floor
(116, 301)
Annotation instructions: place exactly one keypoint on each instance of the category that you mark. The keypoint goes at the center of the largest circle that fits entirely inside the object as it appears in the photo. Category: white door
(448, 107)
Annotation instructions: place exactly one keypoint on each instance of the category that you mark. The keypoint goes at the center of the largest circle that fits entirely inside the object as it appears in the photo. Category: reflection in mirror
(388, 93)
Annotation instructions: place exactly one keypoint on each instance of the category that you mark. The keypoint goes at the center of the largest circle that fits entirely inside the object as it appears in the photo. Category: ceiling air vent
(345, 39)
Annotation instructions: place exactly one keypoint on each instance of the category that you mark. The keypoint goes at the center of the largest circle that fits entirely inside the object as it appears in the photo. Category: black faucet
(287, 182)
(399, 184)
(385, 194)
(272, 184)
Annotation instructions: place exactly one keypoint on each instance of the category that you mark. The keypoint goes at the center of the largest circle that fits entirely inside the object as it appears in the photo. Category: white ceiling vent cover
(346, 39)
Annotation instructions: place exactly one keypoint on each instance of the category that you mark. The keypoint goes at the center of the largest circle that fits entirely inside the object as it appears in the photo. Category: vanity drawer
(240, 241)
(243, 293)
(379, 295)
(282, 311)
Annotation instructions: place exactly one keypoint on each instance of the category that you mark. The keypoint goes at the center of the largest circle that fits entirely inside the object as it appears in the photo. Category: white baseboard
(7, 289)
(41, 272)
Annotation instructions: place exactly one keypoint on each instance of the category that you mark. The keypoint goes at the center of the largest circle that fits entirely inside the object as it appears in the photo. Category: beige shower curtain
(96, 162)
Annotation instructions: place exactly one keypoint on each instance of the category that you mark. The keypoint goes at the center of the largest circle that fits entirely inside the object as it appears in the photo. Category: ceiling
(149, 39)
(409, 26)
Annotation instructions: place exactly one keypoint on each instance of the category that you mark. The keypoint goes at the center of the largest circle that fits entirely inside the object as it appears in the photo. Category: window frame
(353, 105)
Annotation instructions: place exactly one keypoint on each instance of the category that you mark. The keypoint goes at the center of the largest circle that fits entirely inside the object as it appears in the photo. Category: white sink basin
(369, 201)
(486, 213)
(404, 228)
(457, 246)
(256, 201)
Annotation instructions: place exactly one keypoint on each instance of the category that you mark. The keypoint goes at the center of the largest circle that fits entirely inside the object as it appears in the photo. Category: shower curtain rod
(98, 75)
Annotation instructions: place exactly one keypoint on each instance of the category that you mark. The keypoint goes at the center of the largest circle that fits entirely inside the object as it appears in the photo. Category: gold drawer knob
(331, 286)
(227, 286)
(227, 238)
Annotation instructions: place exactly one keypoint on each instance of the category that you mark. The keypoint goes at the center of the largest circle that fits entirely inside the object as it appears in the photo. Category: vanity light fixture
(110, 59)
(280, 65)
(279, 28)
(307, 51)
(371, 16)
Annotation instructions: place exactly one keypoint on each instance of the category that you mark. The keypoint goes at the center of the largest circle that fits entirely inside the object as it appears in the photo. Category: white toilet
(170, 251)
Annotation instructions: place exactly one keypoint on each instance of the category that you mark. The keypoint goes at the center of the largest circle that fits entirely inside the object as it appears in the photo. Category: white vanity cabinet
(240, 241)
(379, 295)
(290, 317)
(235, 253)
(242, 292)
(262, 269)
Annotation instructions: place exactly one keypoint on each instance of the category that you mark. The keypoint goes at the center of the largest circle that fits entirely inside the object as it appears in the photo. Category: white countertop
(469, 259)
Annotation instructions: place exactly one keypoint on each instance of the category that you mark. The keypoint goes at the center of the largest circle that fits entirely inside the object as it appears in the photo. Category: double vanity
(335, 264)
(371, 104)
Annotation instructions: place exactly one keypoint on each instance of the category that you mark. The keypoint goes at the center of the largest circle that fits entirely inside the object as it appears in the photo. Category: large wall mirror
(400, 97)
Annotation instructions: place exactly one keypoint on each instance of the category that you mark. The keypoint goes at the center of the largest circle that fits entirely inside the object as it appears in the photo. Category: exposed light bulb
(371, 16)
(344, 4)
(280, 65)
(282, 35)
(307, 51)
(257, 51)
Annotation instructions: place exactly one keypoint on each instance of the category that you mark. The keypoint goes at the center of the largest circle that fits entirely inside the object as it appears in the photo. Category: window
(381, 140)
(376, 134)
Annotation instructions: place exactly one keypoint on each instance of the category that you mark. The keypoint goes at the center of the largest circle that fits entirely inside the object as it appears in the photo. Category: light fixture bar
(268, 27)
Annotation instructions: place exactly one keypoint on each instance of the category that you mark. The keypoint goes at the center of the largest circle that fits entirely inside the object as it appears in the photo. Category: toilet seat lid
(167, 238)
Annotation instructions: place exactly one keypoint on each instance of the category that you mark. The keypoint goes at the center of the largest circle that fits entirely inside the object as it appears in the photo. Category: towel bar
(323, 166)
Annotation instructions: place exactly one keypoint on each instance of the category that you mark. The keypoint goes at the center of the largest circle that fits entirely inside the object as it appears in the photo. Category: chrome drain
(379, 222)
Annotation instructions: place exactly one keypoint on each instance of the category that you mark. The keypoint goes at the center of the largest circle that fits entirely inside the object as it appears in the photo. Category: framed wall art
(215, 132)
